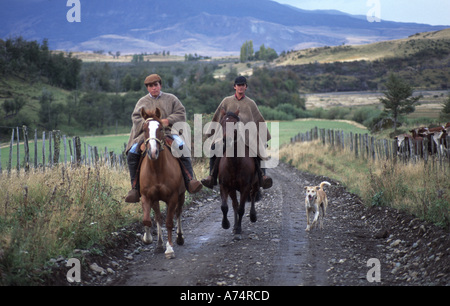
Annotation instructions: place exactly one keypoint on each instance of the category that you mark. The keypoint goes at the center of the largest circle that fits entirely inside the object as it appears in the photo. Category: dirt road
(276, 250)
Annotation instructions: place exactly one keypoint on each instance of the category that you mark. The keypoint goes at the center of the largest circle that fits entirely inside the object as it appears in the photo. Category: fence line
(370, 148)
(70, 153)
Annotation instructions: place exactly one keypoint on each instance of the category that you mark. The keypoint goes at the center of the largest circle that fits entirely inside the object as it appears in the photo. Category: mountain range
(205, 27)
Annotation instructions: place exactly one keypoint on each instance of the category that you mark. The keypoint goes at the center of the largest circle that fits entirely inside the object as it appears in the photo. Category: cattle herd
(425, 141)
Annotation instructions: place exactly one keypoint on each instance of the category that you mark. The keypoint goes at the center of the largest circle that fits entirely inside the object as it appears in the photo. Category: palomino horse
(236, 174)
(160, 180)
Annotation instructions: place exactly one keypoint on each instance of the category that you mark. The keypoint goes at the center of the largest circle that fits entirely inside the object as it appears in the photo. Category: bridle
(226, 118)
(160, 141)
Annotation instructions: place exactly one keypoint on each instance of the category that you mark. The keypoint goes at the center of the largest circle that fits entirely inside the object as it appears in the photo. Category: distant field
(430, 105)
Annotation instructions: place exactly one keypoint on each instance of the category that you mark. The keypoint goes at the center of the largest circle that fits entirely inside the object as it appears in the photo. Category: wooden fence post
(35, 150)
(10, 153)
(18, 150)
(43, 151)
(65, 150)
(56, 146)
(50, 151)
(77, 150)
(27, 149)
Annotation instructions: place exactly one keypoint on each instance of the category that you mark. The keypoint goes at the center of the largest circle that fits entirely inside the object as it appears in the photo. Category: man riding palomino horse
(248, 112)
(172, 111)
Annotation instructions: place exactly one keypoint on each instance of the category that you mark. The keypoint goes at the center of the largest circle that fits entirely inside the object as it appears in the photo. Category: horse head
(229, 130)
(153, 132)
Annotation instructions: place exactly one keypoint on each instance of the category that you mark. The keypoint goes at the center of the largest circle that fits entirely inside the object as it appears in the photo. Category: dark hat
(240, 80)
(153, 78)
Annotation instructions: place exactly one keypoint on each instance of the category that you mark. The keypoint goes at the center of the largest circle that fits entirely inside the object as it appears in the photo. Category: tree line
(37, 62)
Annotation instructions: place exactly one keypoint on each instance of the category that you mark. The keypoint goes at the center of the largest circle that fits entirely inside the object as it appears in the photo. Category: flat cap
(152, 78)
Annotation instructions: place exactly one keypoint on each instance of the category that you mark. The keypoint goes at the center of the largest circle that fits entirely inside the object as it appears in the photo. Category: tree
(398, 98)
(247, 51)
(49, 113)
(445, 112)
(266, 54)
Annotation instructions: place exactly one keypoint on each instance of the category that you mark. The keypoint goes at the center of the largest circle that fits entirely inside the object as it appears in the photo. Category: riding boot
(192, 185)
(211, 180)
(133, 164)
(265, 180)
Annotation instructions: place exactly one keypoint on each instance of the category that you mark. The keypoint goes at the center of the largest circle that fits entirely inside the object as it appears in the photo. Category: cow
(404, 147)
(437, 138)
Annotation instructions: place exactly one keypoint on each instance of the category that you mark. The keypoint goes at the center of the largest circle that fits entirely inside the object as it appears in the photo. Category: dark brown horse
(236, 174)
(160, 180)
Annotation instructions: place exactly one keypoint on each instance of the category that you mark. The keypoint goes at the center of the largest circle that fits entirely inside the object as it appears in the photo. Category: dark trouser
(133, 164)
(186, 170)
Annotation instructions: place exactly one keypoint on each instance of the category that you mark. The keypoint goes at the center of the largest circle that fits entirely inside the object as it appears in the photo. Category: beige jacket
(248, 112)
(171, 109)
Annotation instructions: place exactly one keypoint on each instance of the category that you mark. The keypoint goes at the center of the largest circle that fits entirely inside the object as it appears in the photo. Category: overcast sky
(434, 12)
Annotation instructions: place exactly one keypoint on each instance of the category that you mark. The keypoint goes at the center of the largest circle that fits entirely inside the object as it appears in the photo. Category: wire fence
(54, 149)
(370, 148)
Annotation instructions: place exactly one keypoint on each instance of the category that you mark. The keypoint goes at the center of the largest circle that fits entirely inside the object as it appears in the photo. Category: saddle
(168, 141)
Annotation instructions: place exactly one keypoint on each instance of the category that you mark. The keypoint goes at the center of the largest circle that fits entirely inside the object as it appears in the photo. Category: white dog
(315, 199)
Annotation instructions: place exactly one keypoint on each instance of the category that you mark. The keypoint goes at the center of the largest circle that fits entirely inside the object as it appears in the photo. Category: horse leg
(158, 219)
(147, 238)
(253, 194)
(224, 207)
(180, 237)
(238, 213)
(169, 226)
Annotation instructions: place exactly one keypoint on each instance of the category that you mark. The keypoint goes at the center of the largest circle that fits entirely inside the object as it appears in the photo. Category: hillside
(204, 27)
(423, 60)
(370, 52)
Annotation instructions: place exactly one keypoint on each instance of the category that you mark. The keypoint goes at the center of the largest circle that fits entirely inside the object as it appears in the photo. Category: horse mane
(233, 115)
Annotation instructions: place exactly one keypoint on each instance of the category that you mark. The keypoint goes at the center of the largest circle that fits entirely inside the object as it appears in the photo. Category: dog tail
(324, 183)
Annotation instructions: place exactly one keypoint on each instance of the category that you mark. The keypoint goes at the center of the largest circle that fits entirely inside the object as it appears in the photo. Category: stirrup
(133, 196)
(208, 182)
(194, 186)
(266, 182)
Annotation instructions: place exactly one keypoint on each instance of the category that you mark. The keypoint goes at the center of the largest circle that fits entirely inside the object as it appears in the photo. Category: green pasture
(115, 143)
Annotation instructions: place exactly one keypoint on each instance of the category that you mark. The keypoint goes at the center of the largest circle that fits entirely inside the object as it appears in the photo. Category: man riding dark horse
(248, 112)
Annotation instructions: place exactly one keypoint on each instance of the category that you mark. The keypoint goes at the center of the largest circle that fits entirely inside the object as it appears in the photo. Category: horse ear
(143, 113)
(158, 113)
(222, 112)
(237, 112)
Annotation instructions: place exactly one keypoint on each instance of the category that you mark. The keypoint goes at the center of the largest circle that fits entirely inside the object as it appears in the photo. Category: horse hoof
(226, 224)
(159, 249)
(180, 240)
(147, 239)
(253, 218)
(170, 255)
(237, 237)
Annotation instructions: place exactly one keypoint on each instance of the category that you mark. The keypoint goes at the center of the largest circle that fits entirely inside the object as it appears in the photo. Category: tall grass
(420, 189)
(47, 215)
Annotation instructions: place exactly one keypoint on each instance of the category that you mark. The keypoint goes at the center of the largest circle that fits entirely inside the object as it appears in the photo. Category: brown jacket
(248, 112)
(171, 109)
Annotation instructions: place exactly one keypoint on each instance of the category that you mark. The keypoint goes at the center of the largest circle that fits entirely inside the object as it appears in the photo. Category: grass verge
(420, 189)
(47, 215)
